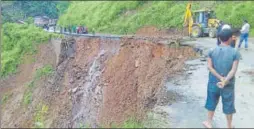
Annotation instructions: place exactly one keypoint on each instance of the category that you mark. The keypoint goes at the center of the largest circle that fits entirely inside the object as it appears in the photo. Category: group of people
(222, 64)
(74, 29)
(243, 37)
(81, 30)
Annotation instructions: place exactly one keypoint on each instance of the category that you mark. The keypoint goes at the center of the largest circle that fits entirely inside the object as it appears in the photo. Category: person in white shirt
(244, 34)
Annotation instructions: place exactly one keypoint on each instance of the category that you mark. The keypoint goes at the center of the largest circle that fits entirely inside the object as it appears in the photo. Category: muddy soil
(113, 79)
(134, 76)
(96, 81)
(186, 108)
(152, 31)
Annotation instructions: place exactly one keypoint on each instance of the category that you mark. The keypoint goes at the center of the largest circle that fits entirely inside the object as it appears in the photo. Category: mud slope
(14, 112)
(114, 79)
(96, 82)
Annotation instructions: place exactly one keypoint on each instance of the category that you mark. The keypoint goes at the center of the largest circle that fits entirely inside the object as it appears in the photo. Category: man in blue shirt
(222, 64)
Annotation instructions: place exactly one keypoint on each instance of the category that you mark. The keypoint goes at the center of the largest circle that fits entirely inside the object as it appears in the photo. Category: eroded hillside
(98, 82)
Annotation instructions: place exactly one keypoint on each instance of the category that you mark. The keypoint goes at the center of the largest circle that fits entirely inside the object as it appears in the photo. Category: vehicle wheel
(196, 31)
(212, 33)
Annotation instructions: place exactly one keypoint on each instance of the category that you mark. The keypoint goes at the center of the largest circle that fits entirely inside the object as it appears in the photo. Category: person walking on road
(222, 64)
(244, 34)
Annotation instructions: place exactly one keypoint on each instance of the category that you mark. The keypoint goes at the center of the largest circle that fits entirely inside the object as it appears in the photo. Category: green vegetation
(235, 12)
(39, 119)
(81, 126)
(18, 40)
(121, 17)
(42, 72)
(21, 10)
(5, 97)
(129, 123)
(132, 123)
(27, 98)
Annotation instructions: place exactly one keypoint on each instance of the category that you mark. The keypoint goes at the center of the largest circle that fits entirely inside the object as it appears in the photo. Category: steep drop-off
(97, 82)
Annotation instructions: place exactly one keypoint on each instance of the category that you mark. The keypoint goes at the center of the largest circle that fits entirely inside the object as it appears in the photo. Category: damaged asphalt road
(185, 107)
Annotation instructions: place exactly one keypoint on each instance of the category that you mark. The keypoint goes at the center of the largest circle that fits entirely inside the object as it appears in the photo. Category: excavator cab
(203, 16)
(205, 23)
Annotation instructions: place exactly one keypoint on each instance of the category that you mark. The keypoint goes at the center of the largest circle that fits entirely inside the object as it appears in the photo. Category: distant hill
(21, 10)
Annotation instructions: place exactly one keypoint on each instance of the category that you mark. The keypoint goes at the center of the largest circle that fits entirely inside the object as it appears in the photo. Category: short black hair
(245, 21)
(225, 34)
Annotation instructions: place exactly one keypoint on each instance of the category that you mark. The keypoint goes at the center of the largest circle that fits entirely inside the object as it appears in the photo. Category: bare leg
(208, 122)
(229, 120)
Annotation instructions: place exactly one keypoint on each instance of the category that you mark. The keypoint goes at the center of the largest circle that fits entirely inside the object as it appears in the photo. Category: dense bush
(235, 12)
(18, 40)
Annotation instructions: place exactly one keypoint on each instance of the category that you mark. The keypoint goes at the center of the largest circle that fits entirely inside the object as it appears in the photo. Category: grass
(39, 118)
(129, 123)
(132, 123)
(124, 17)
(18, 40)
(121, 17)
(45, 71)
(81, 126)
(5, 98)
(27, 98)
(235, 12)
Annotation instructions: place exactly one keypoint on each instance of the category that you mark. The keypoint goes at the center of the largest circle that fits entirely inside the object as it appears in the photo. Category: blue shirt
(222, 59)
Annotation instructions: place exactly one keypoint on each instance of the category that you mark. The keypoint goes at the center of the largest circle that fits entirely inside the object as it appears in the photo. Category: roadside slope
(125, 17)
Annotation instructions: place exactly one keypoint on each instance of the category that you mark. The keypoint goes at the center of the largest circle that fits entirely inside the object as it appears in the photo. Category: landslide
(112, 80)
(94, 82)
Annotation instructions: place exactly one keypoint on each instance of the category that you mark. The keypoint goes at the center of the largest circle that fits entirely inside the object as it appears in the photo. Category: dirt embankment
(96, 82)
(13, 88)
(115, 79)
(153, 31)
(135, 75)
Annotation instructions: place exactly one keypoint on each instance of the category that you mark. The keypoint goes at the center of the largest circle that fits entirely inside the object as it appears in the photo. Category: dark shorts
(227, 94)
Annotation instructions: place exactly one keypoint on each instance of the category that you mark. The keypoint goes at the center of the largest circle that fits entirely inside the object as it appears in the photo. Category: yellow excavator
(204, 23)
(201, 22)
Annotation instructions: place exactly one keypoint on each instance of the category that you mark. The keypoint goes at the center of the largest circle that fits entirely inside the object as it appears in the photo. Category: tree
(15, 10)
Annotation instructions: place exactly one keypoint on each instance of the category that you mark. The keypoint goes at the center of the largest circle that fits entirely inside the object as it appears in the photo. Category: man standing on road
(222, 64)
(244, 34)
(221, 27)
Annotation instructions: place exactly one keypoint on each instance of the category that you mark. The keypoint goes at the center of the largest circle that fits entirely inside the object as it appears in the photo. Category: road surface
(190, 89)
